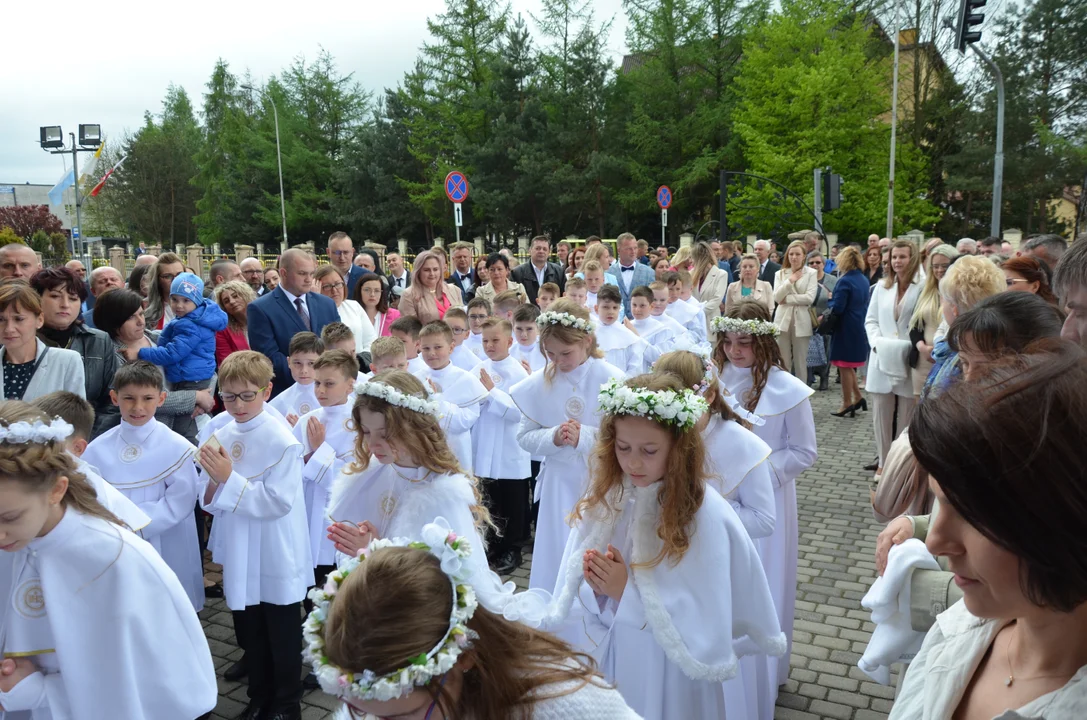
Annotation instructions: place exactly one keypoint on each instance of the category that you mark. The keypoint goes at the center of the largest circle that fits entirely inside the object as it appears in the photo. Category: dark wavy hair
(58, 277)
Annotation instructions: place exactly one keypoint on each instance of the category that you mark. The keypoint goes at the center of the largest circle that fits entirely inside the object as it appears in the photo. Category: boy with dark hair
(622, 347)
(298, 399)
(527, 347)
(407, 329)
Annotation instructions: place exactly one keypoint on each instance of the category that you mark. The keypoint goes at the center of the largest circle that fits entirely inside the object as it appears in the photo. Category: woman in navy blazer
(849, 343)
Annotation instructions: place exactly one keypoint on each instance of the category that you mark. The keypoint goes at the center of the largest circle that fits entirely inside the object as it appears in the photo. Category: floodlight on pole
(90, 139)
(279, 156)
(90, 136)
(52, 136)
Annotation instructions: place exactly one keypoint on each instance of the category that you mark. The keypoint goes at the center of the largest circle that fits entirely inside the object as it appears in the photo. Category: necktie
(302, 313)
(398, 281)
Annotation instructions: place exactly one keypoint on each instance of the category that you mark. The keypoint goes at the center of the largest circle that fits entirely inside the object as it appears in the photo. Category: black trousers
(510, 505)
(320, 574)
(531, 494)
(271, 636)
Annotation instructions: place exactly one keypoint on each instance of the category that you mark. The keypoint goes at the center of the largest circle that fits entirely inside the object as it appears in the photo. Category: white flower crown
(745, 327)
(393, 396)
(682, 409)
(703, 352)
(564, 319)
(443, 543)
(23, 432)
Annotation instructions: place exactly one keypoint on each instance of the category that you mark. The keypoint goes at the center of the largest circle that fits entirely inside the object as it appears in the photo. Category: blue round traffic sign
(456, 186)
(664, 197)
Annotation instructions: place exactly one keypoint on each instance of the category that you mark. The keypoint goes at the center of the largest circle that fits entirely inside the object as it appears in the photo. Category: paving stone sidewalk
(837, 538)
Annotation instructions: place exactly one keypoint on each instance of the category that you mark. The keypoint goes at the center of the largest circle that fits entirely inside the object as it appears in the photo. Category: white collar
(252, 423)
(140, 433)
(291, 297)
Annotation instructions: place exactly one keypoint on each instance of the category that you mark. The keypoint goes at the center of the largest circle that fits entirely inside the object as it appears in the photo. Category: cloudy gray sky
(124, 55)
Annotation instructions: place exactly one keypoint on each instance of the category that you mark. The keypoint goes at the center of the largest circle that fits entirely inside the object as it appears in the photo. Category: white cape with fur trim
(674, 637)
(400, 501)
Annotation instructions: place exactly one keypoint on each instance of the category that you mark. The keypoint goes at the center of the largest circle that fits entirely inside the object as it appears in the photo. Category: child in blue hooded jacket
(186, 348)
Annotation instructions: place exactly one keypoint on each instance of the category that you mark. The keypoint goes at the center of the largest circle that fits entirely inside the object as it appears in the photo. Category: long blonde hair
(596, 251)
(704, 261)
(567, 335)
(417, 431)
(395, 606)
(38, 466)
(682, 489)
(682, 258)
(928, 303)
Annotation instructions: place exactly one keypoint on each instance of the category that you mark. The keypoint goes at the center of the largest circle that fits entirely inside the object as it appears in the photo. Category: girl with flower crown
(401, 632)
(559, 422)
(659, 576)
(95, 625)
(753, 371)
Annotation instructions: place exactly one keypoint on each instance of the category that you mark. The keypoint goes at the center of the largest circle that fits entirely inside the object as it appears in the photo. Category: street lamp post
(279, 157)
(90, 137)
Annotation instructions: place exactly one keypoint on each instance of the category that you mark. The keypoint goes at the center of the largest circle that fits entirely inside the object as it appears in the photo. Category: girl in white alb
(559, 405)
(95, 625)
(666, 619)
(752, 371)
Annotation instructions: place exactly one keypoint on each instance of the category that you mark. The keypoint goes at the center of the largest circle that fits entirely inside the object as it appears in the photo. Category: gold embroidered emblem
(437, 386)
(388, 503)
(575, 406)
(130, 453)
(303, 409)
(237, 450)
(496, 378)
(30, 600)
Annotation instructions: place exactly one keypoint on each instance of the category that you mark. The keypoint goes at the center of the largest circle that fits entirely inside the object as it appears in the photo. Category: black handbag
(829, 325)
(916, 335)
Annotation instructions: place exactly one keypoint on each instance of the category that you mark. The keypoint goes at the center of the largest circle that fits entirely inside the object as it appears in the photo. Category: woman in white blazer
(332, 284)
(28, 368)
(887, 324)
(795, 288)
(709, 281)
(749, 287)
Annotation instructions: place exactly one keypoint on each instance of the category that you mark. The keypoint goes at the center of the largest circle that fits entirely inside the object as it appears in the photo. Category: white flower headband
(443, 543)
(564, 319)
(703, 352)
(682, 409)
(393, 396)
(21, 433)
(744, 327)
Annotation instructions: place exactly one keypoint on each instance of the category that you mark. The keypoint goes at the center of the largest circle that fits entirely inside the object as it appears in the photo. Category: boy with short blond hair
(503, 467)
(337, 336)
(328, 446)
(298, 399)
(527, 347)
(387, 353)
(253, 487)
(462, 357)
(594, 280)
(622, 347)
(549, 293)
(660, 307)
(577, 290)
(505, 303)
(479, 309)
(459, 391)
(153, 466)
(407, 328)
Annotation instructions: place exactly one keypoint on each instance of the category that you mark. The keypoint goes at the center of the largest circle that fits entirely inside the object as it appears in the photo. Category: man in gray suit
(628, 272)
(767, 267)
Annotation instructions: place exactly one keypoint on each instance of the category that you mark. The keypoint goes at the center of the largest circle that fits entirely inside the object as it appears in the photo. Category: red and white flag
(101, 183)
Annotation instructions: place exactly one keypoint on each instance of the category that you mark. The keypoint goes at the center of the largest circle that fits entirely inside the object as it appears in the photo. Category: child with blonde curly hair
(664, 574)
(118, 636)
(752, 371)
(560, 417)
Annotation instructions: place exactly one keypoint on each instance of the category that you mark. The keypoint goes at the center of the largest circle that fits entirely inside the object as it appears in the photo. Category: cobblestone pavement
(837, 537)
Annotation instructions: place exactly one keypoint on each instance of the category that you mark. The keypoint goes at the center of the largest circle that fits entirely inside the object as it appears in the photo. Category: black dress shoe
(508, 562)
(310, 682)
(213, 591)
(251, 712)
(874, 465)
(293, 712)
(237, 671)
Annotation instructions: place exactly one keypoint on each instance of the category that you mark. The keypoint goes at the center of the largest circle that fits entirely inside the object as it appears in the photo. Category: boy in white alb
(407, 328)
(298, 399)
(622, 347)
(478, 310)
(692, 318)
(503, 466)
(578, 291)
(386, 353)
(328, 445)
(153, 466)
(659, 338)
(337, 336)
(459, 391)
(457, 320)
(594, 280)
(549, 293)
(253, 487)
(660, 305)
(527, 347)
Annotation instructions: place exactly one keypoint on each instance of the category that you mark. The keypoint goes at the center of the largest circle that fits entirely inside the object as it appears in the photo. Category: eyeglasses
(1011, 281)
(168, 276)
(341, 253)
(460, 331)
(478, 317)
(333, 286)
(247, 396)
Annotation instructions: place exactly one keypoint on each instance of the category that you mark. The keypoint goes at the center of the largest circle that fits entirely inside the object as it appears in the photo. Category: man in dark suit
(463, 275)
(397, 274)
(767, 267)
(291, 308)
(538, 271)
(341, 253)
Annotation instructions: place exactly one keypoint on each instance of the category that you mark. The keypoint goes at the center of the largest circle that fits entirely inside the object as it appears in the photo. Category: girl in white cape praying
(752, 370)
(658, 570)
(559, 422)
(95, 625)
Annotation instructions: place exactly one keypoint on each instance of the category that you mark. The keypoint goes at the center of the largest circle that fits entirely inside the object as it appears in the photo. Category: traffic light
(969, 17)
(832, 191)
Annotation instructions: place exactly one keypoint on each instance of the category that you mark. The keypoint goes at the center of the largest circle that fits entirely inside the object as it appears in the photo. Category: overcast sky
(124, 54)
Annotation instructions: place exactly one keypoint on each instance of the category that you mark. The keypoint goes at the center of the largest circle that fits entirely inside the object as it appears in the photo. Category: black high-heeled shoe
(862, 404)
(851, 411)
